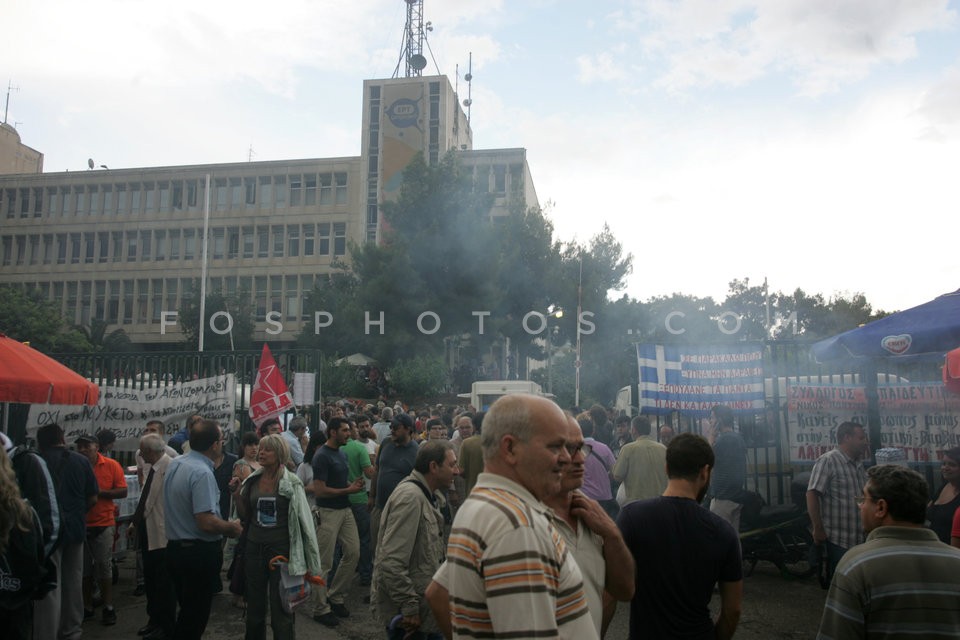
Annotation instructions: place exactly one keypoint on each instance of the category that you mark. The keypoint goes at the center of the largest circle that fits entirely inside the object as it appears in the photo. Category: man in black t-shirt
(682, 550)
(337, 524)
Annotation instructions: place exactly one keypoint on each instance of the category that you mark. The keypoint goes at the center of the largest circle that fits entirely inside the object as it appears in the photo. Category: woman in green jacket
(275, 511)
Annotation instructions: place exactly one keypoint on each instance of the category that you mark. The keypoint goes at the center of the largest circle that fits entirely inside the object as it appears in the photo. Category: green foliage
(240, 308)
(28, 317)
(341, 380)
(417, 378)
(115, 341)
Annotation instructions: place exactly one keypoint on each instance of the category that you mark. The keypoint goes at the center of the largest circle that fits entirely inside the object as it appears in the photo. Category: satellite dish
(418, 62)
(468, 77)
(90, 163)
(467, 102)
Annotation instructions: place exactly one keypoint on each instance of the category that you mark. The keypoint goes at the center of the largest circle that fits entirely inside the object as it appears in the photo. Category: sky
(811, 143)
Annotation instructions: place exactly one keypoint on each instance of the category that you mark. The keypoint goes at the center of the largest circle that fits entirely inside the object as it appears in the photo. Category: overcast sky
(812, 142)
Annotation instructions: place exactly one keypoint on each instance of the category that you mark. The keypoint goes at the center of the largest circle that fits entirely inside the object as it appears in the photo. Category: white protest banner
(921, 419)
(126, 410)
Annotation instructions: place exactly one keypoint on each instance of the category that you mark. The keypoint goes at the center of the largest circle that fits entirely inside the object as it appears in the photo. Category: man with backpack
(60, 613)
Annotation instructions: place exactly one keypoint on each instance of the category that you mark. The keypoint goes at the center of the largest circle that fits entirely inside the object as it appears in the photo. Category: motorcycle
(779, 534)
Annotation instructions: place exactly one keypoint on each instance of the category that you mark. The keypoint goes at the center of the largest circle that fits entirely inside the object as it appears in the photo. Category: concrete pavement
(772, 608)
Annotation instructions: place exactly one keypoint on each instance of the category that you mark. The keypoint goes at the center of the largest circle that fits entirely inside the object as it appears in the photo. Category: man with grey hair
(295, 435)
(504, 527)
(902, 582)
(382, 428)
(148, 521)
(410, 544)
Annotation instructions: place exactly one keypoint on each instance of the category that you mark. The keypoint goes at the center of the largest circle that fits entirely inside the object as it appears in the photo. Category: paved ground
(774, 609)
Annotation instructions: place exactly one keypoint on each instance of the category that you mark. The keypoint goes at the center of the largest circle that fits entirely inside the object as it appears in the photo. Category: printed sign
(921, 419)
(126, 411)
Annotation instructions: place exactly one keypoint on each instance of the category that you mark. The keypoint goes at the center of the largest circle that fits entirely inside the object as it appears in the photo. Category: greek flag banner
(692, 379)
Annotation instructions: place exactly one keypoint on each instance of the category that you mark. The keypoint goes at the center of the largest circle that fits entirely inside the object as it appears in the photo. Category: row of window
(167, 196)
(141, 301)
(96, 247)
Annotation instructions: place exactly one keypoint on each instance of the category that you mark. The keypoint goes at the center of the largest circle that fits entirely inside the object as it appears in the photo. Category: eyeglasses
(861, 499)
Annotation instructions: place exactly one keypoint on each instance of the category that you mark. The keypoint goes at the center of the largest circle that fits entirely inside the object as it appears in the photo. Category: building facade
(127, 245)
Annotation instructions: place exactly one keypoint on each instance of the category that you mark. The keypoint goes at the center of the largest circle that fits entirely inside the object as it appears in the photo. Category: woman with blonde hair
(277, 518)
(21, 555)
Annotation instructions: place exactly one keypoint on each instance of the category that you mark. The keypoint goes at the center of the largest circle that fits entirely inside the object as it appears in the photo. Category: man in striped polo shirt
(508, 572)
(835, 484)
(902, 582)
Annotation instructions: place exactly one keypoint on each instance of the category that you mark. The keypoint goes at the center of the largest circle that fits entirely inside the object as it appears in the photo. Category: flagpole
(203, 267)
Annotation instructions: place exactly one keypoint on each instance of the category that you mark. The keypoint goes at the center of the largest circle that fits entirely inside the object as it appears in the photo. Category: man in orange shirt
(101, 524)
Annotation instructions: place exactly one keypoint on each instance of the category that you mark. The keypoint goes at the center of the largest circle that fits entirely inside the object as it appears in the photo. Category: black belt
(190, 542)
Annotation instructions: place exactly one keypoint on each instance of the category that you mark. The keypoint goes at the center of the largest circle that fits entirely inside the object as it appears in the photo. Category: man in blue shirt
(194, 527)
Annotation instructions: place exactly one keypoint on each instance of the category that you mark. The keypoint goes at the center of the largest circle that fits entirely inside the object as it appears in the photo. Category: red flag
(269, 397)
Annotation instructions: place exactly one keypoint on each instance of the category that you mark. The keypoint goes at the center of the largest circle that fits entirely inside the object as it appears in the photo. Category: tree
(101, 340)
(26, 316)
(240, 310)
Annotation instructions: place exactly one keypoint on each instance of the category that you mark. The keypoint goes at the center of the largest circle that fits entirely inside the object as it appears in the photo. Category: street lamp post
(553, 311)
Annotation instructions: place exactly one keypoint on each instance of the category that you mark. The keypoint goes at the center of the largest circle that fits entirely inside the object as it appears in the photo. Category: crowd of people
(526, 521)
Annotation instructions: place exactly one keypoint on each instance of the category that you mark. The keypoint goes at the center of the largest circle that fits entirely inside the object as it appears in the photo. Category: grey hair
(386, 414)
(152, 442)
(509, 415)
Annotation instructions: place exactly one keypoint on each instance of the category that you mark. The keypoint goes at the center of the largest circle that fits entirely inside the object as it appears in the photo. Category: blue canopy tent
(922, 333)
(925, 331)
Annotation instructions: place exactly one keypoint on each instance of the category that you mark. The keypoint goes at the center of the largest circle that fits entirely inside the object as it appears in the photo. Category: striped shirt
(903, 583)
(839, 480)
(508, 570)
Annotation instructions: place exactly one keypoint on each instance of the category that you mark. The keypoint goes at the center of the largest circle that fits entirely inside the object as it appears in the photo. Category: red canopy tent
(28, 376)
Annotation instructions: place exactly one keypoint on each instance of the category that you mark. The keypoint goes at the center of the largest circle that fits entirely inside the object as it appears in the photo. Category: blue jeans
(362, 515)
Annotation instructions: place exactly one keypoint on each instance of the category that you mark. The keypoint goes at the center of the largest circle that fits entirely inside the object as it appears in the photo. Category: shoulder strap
(426, 491)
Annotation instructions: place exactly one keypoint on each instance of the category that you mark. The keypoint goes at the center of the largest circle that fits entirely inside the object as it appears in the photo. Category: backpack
(37, 486)
(22, 566)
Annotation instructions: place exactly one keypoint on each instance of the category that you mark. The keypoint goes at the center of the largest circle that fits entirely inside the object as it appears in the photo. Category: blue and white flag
(693, 379)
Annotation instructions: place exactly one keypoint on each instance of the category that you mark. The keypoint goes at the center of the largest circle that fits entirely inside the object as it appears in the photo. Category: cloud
(822, 44)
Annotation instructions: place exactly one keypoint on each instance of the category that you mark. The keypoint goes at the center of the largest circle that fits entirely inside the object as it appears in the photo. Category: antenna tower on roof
(413, 37)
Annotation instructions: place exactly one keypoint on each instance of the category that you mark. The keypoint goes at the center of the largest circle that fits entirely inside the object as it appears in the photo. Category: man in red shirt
(101, 525)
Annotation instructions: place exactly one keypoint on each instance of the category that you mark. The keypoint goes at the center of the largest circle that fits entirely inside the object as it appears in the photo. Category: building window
(113, 302)
(37, 202)
(103, 253)
(89, 247)
(220, 192)
(86, 302)
(74, 248)
(49, 249)
(248, 242)
(131, 246)
(6, 242)
(143, 297)
(122, 199)
(192, 194)
(263, 242)
(323, 239)
(266, 192)
(69, 201)
(339, 238)
(340, 182)
(308, 239)
(250, 192)
(310, 190)
(233, 242)
(218, 243)
(174, 244)
(61, 248)
(160, 240)
(107, 191)
(164, 189)
(260, 297)
(100, 299)
(145, 246)
(170, 303)
(71, 314)
(293, 240)
(134, 199)
(189, 244)
(177, 196)
(53, 201)
(116, 252)
(293, 298)
(296, 188)
(326, 189)
(156, 299)
(277, 232)
(276, 293)
(280, 191)
(35, 249)
(150, 197)
(93, 193)
(236, 192)
(79, 197)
